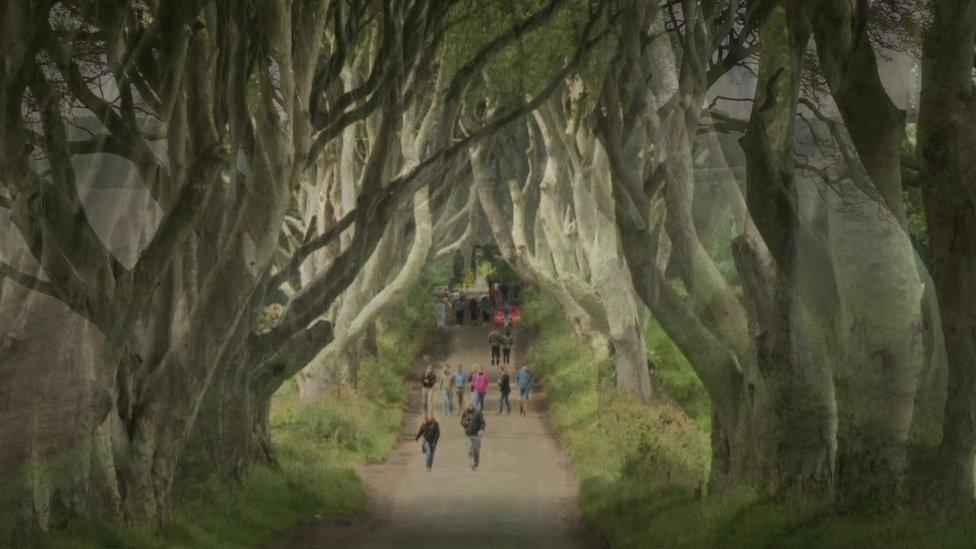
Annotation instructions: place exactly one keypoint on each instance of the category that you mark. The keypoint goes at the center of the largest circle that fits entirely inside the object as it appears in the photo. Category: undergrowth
(641, 467)
(317, 445)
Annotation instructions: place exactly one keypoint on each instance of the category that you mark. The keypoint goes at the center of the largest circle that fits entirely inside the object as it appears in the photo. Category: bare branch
(27, 281)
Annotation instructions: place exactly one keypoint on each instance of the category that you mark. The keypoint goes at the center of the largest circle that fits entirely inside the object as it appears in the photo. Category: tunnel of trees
(222, 196)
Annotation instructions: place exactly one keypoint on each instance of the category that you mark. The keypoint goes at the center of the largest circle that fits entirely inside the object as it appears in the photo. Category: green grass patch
(677, 376)
(641, 467)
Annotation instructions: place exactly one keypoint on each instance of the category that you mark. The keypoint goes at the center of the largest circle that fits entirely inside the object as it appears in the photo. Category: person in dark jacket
(473, 422)
(504, 387)
(495, 346)
(431, 431)
(485, 310)
(459, 309)
(473, 311)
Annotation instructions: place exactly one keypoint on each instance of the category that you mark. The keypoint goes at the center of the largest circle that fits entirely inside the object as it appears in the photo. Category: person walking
(480, 382)
(473, 311)
(473, 422)
(428, 382)
(485, 310)
(440, 311)
(460, 380)
(523, 378)
(431, 431)
(494, 345)
(449, 309)
(459, 309)
(504, 388)
(507, 347)
(445, 384)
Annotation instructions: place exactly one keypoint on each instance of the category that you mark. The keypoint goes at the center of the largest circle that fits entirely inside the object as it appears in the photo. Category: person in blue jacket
(523, 378)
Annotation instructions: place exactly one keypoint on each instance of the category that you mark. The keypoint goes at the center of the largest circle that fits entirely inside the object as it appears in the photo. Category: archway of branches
(227, 196)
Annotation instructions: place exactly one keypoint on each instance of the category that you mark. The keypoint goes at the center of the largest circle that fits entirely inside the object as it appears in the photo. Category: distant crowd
(498, 306)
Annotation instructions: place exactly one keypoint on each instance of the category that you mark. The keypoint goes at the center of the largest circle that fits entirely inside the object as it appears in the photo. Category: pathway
(524, 494)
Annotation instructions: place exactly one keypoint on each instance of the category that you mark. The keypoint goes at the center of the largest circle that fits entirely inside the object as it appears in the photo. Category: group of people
(492, 308)
(476, 383)
(500, 346)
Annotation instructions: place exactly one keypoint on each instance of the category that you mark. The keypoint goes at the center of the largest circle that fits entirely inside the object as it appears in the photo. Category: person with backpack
(480, 384)
(504, 388)
(523, 378)
(494, 345)
(431, 431)
(428, 382)
(460, 380)
(473, 422)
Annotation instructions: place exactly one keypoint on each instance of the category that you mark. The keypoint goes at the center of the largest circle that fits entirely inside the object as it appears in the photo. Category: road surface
(524, 493)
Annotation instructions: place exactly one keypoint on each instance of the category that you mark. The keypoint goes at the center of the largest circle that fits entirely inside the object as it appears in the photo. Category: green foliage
(641, 467)
(621, 449)
(676, 518)
(677, 376)
(527, 64)
(318, 445)
(380, 376)
(349, 429)
(215, 512)
(918, 229)
(440, 272)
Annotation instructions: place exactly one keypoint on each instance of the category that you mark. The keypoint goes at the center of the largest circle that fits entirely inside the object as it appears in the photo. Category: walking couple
(472, 421)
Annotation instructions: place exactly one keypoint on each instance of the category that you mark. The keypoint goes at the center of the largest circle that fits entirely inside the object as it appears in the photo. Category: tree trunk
(882, 352)
(794, 403)
(947, 151)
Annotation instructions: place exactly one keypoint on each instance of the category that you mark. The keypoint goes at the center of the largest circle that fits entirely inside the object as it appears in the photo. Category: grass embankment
(640, 465)
(317, 446)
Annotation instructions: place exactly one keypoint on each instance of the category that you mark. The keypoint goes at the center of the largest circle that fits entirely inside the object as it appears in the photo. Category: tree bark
(799, 393)
(947, 152)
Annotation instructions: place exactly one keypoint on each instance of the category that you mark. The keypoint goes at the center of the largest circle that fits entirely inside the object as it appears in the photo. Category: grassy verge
(677, 377)
(317, 446)
(640, 466)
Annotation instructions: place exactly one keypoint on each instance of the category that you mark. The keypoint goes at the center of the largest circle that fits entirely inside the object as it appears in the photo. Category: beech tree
(243, 100)
(946, 147)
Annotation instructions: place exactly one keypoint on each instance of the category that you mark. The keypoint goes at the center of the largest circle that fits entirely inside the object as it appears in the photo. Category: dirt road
(524, 494)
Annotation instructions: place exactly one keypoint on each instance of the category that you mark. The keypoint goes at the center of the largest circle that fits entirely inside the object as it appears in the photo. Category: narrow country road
(524, 494)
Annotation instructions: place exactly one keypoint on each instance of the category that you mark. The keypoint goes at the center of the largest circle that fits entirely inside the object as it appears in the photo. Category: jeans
(428, 398)
(448, 403)
(460, 397)
(480, 402)
(474, 449)
(503, 403)
(429, 451)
